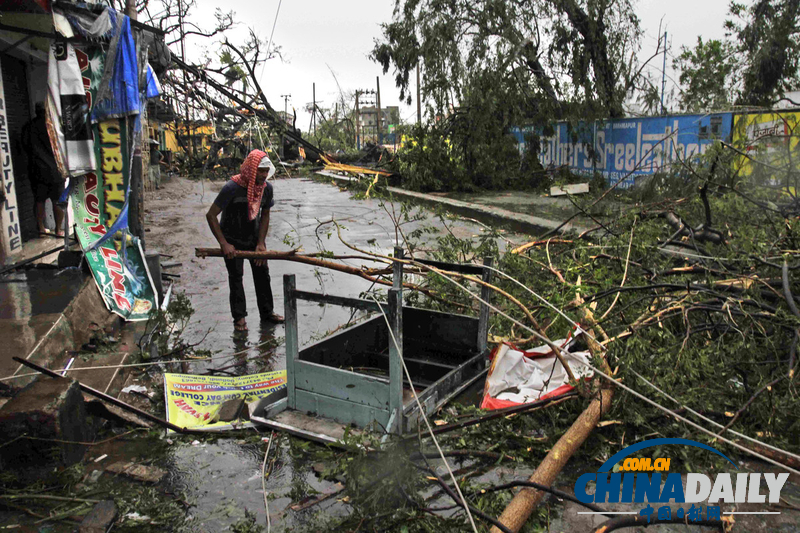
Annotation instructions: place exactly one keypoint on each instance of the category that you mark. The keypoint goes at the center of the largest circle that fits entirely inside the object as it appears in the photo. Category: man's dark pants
(261, 281)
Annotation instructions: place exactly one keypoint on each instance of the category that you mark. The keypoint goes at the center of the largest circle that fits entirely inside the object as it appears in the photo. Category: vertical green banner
(97, 201)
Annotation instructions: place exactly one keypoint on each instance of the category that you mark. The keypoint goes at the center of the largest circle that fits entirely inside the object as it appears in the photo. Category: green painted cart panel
(340, 410)
(342, 384)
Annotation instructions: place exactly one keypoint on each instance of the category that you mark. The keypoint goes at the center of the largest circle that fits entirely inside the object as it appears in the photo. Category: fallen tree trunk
(523, 504)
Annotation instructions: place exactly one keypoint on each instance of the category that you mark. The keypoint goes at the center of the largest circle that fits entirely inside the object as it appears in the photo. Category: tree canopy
(753, 66)
(563, 56)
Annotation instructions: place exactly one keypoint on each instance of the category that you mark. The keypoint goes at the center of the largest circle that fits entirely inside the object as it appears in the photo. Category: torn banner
(517, 377)
(194, 402)
(67, 97)
(100, 183)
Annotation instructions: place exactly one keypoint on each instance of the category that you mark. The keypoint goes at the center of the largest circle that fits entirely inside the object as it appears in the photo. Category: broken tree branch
(523, 504)
(312, 259)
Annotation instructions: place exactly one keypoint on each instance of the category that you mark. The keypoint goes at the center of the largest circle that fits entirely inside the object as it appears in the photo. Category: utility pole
(664, 75)
(286, 106)
(314, 109)
(419, 105)
(359, 131)
(286, 123)
(358, 120)
(136, 172)
(378, 104)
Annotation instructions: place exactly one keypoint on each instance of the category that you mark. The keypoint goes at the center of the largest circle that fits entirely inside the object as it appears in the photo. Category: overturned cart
(355, 378)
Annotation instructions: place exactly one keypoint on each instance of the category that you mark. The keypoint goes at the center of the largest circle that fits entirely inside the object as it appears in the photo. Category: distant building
(368, 123)
(286, 117)
(195, 137)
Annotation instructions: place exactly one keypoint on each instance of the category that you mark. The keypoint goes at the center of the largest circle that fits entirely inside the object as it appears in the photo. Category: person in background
(46, 180)
(244, 203)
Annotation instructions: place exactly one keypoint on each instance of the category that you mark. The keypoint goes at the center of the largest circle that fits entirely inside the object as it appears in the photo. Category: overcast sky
(321, 37)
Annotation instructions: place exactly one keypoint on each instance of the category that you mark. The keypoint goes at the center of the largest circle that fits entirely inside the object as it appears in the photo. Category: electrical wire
(151, 363)
(710, 421)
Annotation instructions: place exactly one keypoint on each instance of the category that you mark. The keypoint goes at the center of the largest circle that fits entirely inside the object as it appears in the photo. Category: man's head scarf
(247, 179)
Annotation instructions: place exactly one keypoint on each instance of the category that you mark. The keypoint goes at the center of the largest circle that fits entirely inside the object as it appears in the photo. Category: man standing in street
(244, 203)
(46, 180)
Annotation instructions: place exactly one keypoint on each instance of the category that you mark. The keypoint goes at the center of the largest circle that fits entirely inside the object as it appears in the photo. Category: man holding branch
(244, 203)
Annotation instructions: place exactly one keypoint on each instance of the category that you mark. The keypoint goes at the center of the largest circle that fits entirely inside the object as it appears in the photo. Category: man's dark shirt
(41, 163)
(236, 225)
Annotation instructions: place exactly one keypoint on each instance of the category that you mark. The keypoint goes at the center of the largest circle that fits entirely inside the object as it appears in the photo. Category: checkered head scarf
(247, 179)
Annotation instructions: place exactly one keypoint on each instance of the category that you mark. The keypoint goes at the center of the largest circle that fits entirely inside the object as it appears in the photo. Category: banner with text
(10, 239)
(768, 143)
(625, 149)
(194, 401)
(98, 209)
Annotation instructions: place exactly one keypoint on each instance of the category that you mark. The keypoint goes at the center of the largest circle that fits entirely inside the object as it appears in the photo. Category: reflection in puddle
(223, 478)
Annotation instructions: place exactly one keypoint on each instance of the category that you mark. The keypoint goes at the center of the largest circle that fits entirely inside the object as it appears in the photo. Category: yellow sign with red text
(194, 402)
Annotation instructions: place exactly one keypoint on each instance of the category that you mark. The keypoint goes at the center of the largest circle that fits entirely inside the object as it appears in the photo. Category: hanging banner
(194, 402)
(67, 96)
(98, 203)
(10, 240)
(768, 143)
(625, 149)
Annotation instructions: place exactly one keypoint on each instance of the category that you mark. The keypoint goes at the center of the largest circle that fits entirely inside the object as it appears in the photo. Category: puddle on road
(222, 479)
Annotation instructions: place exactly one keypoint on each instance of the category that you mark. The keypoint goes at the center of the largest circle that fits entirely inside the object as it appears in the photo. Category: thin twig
(264, 481)
(625, 275)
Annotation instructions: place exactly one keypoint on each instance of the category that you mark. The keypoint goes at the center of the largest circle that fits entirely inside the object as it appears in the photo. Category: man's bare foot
(273, 318)
(240, 325)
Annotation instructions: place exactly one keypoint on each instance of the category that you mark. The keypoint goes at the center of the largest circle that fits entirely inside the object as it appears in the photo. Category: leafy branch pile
(689, 281)
(695, 291)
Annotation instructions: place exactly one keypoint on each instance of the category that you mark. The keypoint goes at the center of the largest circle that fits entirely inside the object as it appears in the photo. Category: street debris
(100, 519)
(517, 377)
(147, 474)
(213, 403)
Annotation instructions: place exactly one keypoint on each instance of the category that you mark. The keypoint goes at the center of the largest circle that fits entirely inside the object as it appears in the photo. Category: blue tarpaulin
(119, 95)
(153, 87)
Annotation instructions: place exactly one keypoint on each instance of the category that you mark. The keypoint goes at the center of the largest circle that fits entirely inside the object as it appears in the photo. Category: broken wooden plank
(148, 474)
(574, 188)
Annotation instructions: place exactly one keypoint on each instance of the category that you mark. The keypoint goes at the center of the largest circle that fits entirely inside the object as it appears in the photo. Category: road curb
(518, 222)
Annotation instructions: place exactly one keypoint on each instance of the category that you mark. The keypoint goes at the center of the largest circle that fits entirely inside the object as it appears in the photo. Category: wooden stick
(520, 249)
(368, 274)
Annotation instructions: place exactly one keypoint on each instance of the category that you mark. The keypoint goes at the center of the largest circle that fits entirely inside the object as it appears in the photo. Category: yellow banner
(768, 144)
(194, 401)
